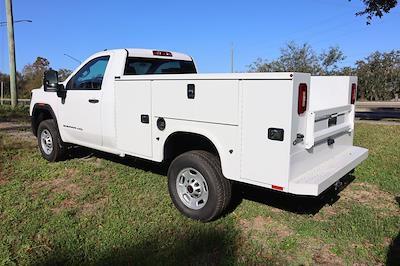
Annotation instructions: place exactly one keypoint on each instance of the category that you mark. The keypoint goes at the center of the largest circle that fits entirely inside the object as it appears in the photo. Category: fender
(230, 162)
(35, 116)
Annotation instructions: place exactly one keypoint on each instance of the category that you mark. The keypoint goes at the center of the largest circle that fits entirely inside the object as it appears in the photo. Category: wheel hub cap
(192, 188)
(46, 141)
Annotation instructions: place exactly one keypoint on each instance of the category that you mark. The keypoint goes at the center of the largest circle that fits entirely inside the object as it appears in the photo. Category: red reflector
(353, 93)
(277, 187)
(162, 53)
(302, 100)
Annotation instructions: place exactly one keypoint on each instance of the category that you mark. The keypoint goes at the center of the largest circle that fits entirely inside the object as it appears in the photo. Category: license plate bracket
(332, 121)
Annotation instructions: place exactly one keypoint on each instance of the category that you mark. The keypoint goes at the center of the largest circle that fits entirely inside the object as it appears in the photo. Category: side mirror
(50, 80)
(50, 83)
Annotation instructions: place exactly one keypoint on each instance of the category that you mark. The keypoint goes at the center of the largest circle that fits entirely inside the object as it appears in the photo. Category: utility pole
(232, 58)
(11, 51)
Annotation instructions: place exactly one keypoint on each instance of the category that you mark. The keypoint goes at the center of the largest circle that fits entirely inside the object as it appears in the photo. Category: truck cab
(274, 130)
(85, 114)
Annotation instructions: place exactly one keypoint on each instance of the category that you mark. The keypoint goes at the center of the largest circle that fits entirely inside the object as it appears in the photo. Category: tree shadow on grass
(169, 244)
(160, 243)
(206, 245)
(393, 255)
(209, 247)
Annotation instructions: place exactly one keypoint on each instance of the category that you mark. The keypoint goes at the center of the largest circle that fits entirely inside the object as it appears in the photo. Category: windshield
(147, 66)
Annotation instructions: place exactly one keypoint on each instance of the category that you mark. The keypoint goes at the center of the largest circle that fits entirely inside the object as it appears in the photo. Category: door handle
(93, 100)
(145, 119)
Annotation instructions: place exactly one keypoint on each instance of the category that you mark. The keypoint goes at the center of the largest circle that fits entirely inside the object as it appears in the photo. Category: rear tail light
(302, 101)
(353, 93)
(162, 53)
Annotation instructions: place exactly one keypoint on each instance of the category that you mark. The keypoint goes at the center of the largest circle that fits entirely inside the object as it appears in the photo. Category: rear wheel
(49, 141)
(197, 187)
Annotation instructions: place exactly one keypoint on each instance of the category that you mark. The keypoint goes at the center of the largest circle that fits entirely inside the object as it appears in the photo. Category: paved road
(378, 115)
(378, 110)
(378, 122)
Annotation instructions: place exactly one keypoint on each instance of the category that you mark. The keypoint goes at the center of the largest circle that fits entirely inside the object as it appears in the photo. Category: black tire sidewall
(51, 127)
(188, 160)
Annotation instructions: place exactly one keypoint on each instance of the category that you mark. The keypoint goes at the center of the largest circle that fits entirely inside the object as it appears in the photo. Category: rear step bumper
(321, 177)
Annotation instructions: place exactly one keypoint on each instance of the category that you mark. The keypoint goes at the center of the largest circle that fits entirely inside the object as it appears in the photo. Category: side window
(148, 66)
(90, 76)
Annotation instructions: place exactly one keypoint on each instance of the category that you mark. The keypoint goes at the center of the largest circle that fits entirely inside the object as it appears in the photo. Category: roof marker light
(162, 53)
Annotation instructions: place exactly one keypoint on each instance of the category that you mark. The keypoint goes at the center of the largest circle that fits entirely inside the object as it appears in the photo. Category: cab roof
(155, 53)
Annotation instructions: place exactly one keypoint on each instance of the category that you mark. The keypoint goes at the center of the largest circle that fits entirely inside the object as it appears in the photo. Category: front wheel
(197, 187)
(49, 141)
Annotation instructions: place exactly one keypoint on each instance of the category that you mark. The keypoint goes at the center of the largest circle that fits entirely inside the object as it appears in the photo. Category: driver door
(80, 111)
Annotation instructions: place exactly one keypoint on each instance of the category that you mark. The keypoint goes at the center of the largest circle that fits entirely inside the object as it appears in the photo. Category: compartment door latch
(299, 138)
(191, 91)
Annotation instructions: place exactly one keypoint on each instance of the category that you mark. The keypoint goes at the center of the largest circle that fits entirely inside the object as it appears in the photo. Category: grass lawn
(97, 209)
(19, 114)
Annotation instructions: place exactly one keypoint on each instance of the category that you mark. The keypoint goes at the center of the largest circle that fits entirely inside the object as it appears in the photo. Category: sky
(205, 29)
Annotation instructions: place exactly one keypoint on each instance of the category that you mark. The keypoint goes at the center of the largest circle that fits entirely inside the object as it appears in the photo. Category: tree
(330, 59)
(32, 75)
(376, 8)
(301, 58)
(379, 76)
(64, 73)
(5, 78)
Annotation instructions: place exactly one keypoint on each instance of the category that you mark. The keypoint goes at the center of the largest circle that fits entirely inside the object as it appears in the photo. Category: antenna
(73, 58)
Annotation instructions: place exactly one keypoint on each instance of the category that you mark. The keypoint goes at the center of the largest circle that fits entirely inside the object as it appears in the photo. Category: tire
(197, 186)
(50, 144)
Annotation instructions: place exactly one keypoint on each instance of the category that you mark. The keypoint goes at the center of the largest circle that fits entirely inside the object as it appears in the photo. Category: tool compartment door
(210, 101)
(266, 104)
(133, 117)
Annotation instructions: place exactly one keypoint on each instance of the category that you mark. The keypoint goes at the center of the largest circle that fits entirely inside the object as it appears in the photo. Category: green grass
(19, 114)
(104, 210)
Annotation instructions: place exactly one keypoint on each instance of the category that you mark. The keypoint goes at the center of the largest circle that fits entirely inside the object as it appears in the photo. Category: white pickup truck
(285, 131)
